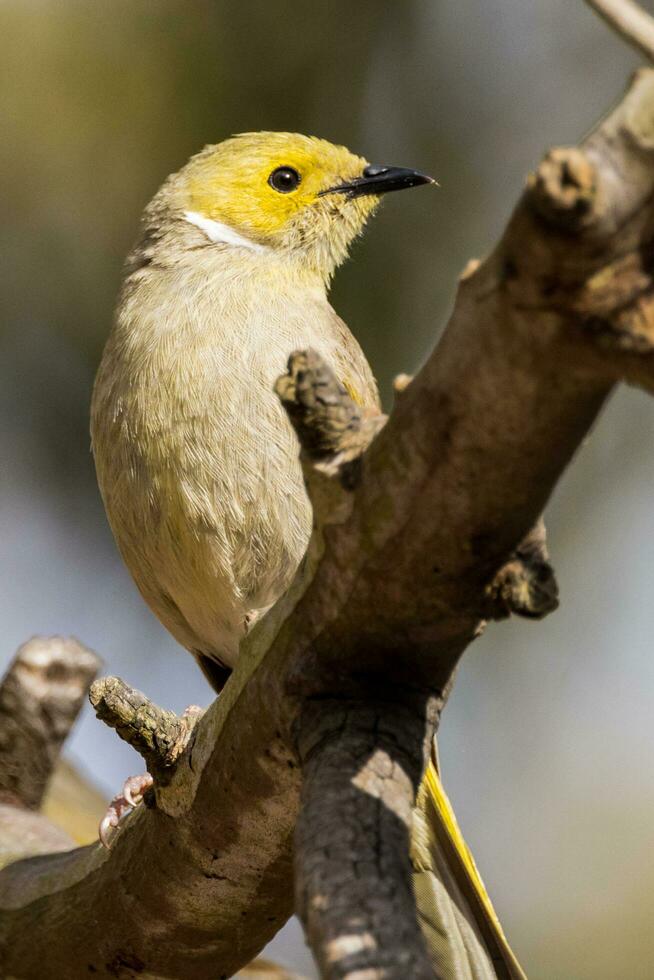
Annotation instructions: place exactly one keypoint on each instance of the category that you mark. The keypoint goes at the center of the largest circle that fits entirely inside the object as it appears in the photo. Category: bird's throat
(220, 233)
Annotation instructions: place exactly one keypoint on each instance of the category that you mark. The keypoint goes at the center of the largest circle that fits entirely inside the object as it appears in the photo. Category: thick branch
(361, 766)
(40, 697)
(394, 587)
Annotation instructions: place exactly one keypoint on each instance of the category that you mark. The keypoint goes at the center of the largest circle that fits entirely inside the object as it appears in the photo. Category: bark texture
(416, 539)
(361, 766)
(40, 697)
(160, 736)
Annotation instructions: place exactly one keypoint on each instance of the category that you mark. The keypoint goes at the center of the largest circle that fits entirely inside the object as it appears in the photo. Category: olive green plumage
(196, 461)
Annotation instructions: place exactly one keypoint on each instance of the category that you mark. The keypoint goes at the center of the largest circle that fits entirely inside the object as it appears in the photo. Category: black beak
(380, 180)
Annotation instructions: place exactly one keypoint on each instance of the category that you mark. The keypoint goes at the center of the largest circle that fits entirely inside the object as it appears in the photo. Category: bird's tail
(460, 926)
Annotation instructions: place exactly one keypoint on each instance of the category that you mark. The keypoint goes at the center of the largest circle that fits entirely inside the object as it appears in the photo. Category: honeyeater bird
(197, 463)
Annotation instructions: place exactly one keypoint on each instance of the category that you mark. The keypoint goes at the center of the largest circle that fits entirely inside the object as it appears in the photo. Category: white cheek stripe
(216, 231)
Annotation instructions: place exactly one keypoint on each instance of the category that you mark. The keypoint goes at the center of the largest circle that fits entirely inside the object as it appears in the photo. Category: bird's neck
(189, 245)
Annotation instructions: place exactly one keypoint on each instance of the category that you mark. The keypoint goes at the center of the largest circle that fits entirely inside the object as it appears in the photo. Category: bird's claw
(131, 796)
(135, 787)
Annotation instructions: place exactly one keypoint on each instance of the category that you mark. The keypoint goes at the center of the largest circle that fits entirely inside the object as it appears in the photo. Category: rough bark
(411, 542)
(361, 765)
(40, 697)
(160, 736)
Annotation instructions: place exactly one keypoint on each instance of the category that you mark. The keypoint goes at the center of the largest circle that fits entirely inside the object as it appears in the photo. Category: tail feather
(460, 925)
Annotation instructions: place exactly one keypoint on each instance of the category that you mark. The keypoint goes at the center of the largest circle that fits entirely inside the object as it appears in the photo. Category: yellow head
(297, 196)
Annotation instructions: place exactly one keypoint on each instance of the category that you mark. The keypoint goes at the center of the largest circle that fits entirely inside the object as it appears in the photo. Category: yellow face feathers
(299, 197)
(249, 181)
(269, 188)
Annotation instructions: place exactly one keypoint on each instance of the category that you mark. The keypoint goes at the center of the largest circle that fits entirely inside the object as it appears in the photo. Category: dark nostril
(374, 171)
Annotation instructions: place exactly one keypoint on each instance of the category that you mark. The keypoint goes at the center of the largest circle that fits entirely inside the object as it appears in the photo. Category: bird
(197, 463)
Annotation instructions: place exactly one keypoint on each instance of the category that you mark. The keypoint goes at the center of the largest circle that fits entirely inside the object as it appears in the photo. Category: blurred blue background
(547, 742)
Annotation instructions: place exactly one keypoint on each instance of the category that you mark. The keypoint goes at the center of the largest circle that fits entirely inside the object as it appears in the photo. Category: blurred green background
(548, 741)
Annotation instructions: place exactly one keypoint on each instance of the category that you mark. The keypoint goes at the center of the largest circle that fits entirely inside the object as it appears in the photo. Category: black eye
(284, 179)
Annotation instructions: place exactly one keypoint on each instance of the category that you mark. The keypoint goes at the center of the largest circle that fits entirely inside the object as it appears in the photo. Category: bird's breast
(197, 462)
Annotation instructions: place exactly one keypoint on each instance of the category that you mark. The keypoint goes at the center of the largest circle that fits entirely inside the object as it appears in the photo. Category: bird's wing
(460, 925)
(353, 392)
(352, 368)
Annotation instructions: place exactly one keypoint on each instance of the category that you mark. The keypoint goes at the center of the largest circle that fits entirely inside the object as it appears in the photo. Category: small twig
(526, 584)
(630, 21)
(563, 189)
(40, 697)
(325, 418)
(160, 736)
(333, 431)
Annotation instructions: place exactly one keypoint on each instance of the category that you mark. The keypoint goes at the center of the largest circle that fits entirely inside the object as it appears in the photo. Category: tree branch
(40, 697)
(160, 736)
(408, 543)
(525, 584)
(361, 766)
(630, 21)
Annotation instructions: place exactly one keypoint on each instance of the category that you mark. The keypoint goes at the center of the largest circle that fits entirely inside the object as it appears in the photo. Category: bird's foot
(131, 796)
(134, 789)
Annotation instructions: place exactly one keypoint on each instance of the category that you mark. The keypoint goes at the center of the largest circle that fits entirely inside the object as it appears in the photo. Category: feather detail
(460, 925)
(353, 393)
